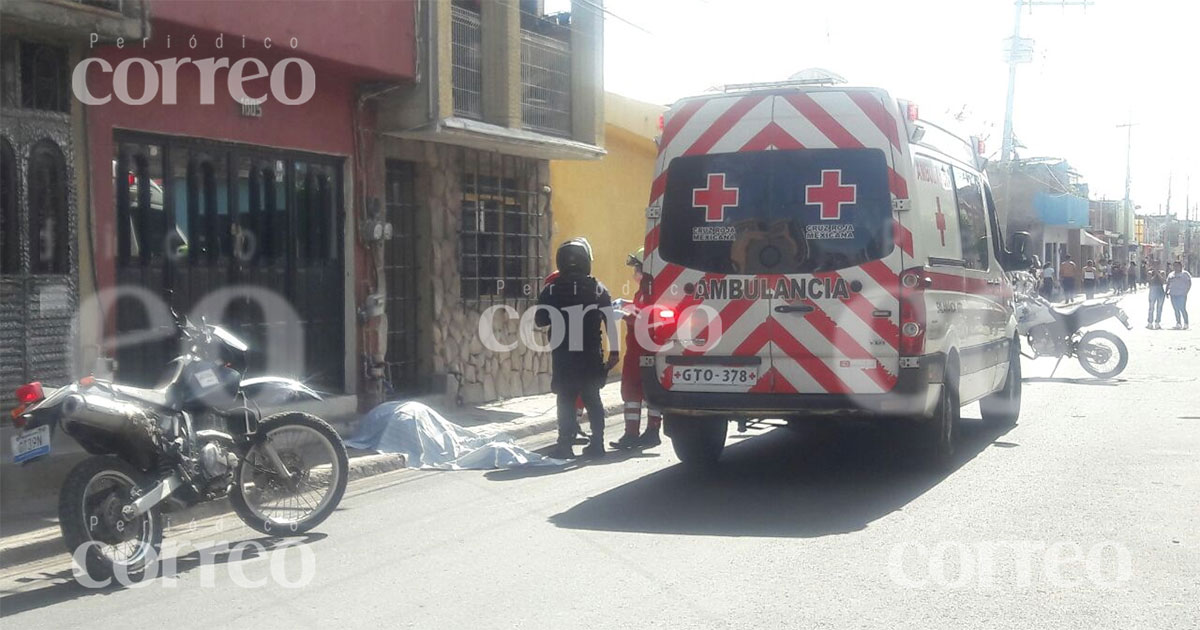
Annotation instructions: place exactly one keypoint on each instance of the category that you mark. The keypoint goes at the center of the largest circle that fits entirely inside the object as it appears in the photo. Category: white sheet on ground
(430, 441)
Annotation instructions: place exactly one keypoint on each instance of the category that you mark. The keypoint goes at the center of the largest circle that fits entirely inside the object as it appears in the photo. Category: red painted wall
(322, 125)
(374, 36)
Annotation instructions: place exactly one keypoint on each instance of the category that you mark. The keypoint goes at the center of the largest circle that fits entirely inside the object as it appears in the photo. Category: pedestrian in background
(1158, 296)
(1102, 274)
(1178, 285)
(1047, 289)
(1118, 276)
(1144, 276)
(579, 367)
(1068, 271)
(1089, 279)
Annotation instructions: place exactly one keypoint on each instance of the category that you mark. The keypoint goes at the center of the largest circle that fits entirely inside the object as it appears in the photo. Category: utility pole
(1127, 207)
(1021, 51)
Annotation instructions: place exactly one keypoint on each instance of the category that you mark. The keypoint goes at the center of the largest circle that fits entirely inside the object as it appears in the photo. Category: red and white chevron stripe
(841, 346)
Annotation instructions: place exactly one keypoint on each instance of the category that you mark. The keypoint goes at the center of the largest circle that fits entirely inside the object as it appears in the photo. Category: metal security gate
(195, 218)
(400, 269)
(38, 261)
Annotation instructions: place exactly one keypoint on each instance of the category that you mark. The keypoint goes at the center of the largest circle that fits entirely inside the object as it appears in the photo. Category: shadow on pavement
(66, 588)
(610, 457)
(779, 484)
(1074, 381)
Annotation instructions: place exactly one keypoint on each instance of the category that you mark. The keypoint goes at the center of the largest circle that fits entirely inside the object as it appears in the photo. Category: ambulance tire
(1002, 408)
(939, 436)
(698, 442)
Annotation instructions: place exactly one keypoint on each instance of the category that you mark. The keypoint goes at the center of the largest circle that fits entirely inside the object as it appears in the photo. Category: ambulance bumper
(915, 394)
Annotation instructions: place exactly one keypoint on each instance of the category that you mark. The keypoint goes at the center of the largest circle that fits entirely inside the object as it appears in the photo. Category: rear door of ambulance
(707, 192)
(835, 317)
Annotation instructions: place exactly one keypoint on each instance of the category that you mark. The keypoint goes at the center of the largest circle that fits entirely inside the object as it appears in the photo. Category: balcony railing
(545, 84)
(466, 62)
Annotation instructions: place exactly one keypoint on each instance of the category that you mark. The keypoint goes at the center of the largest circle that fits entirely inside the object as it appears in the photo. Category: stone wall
(457, 350)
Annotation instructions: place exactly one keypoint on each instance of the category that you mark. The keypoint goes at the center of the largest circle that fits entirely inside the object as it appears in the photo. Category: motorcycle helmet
(574, 259)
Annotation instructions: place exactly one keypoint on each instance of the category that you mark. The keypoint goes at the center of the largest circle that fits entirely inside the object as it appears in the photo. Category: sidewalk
(30, 534)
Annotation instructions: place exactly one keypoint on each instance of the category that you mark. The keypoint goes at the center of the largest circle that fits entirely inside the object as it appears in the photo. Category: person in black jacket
(576, 306)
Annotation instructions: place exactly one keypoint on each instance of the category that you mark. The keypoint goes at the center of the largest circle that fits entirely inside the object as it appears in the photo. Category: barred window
(466, 62)
(10, 224)
(45, 79)
(502, 238)
(48, 233)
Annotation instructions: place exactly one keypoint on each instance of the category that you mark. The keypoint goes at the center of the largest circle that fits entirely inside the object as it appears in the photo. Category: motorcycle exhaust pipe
(100, 412)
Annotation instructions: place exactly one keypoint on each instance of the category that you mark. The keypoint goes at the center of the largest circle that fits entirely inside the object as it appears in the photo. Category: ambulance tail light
(912, 111)
(913, 283)
(663, 322)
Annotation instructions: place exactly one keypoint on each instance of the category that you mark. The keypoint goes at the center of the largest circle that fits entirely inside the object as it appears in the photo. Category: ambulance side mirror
(1018, 252)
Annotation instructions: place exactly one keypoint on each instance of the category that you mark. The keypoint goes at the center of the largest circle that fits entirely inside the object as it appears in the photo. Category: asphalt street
(1084, 515)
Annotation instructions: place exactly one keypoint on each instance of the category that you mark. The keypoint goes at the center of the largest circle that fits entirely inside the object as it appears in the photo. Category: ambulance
(817, 252)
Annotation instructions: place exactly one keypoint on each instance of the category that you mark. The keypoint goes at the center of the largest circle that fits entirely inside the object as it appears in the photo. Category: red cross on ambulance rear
(714, 198)
(830, 194)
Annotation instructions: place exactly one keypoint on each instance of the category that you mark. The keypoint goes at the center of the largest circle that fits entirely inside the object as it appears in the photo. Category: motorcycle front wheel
(99, 534)
(1102, 354)
(317, 469)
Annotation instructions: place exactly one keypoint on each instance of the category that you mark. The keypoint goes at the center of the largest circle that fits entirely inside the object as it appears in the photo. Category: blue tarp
(428, 440)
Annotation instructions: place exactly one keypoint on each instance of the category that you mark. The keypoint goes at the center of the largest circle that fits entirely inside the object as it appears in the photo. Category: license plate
(714, 377)
(31, 444)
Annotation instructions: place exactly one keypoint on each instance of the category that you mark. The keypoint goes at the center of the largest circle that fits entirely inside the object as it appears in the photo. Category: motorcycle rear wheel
(89, 514)
(316, 458)
(1093, 348)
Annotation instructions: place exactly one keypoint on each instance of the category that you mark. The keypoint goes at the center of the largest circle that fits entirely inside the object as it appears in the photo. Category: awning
(489, 137)
(1087, 240)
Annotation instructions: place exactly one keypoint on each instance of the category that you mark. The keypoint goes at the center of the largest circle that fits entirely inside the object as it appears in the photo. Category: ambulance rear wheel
(938, 436)
(1002, 408)
(698, 442)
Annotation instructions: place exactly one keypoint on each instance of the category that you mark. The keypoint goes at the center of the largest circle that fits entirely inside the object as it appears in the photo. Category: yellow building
(605, 200)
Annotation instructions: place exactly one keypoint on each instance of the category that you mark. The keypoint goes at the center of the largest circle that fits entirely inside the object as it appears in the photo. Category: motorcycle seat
(156, 397)
(1066, 309)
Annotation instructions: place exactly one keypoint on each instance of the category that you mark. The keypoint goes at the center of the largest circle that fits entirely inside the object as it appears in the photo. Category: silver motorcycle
(1058, 331)
(198, 436)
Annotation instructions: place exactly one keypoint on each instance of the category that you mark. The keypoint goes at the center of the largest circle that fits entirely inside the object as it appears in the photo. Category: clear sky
(1092, 67)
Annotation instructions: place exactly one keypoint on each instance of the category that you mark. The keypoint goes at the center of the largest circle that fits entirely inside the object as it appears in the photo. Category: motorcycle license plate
(31, 444)
(708, 377)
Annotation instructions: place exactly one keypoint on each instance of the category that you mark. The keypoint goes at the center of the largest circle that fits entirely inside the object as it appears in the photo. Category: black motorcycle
(1058, 331)
(196, 437)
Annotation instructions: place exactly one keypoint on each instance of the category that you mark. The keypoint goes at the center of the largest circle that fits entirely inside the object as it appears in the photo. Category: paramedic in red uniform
(631, 373)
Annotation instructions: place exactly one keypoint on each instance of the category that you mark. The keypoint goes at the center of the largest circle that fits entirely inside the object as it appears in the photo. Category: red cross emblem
(941, 220)
(830, 194)
(715, 198)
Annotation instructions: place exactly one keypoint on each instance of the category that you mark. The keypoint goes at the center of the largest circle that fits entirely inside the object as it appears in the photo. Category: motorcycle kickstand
(1056, 364)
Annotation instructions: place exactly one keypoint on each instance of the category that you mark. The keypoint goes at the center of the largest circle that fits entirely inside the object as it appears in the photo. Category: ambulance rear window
(797, 211)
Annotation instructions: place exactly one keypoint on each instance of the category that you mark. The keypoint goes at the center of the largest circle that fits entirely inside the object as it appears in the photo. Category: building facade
(373, 209)
(1046, 198)
(460, 171)
(43, 176)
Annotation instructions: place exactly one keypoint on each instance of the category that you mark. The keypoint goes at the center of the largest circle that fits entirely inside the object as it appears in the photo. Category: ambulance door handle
(793, 308)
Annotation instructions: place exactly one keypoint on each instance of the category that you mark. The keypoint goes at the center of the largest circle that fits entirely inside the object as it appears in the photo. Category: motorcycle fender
(278, 390)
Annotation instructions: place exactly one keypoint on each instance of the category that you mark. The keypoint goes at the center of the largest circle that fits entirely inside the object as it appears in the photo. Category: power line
(605, 11)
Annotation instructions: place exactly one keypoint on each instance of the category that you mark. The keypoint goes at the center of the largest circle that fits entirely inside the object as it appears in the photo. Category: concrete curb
(46, 542)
